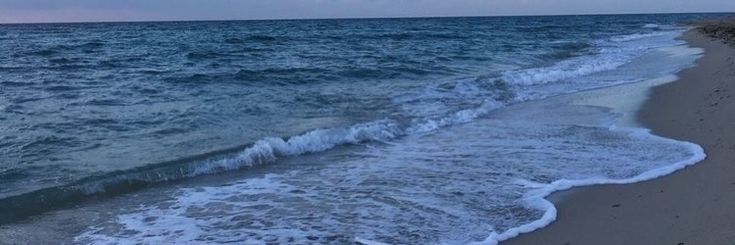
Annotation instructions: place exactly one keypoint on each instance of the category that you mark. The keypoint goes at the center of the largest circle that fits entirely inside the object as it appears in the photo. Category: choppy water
(386, 130)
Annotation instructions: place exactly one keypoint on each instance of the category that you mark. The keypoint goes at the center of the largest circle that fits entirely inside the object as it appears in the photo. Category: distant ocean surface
(319, 131)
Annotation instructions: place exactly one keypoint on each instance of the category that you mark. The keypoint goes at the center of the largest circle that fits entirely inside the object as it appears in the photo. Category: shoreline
(687, 207)
(592, 112)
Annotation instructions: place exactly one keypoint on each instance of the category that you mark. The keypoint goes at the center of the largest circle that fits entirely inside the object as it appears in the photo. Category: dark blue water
(112, 107)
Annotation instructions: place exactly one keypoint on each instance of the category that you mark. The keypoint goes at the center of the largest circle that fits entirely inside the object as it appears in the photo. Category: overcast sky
(136, 10)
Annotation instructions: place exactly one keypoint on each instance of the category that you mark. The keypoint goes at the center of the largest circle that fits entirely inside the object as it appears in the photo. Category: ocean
(397, 131)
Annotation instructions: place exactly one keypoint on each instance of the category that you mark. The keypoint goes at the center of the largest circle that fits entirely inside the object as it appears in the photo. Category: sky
(13, 11)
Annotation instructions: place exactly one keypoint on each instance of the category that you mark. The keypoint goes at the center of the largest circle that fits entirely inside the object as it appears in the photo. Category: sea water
(399, 131)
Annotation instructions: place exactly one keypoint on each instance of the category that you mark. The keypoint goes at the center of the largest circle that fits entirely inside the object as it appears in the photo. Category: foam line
(537, 198)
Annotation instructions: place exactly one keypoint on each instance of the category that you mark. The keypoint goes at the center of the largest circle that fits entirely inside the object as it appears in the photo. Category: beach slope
(692, 206)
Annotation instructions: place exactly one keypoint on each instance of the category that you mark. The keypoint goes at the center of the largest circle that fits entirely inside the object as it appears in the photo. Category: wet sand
(693, 206)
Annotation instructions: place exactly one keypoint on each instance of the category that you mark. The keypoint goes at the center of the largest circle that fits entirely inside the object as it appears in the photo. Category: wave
(263, 151)
(276, 76)
(608, 56)
(206, 55)
(564, 70)
(566, 49)
(269, 150)
(263, 38)
(437, 162)
(251, 39)
(304, 75)
(51, 51)
(636, 36)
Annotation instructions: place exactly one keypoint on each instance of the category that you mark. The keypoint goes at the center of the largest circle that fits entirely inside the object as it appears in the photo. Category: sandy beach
(692, 206)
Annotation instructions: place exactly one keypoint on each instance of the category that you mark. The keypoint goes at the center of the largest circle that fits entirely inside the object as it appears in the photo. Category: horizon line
(348, 18)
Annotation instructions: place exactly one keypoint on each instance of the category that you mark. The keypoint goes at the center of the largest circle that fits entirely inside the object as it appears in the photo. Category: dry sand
(694, 206)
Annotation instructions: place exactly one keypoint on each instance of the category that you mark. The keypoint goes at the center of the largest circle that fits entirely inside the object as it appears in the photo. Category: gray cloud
(114, 10)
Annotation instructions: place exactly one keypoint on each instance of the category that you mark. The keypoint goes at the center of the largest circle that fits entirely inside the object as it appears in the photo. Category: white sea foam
(638, 36)
(480, 181)
(268, 149)
(567, 69)
(610, 55)
(537, 198)
(368, 242)
(426, 125)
